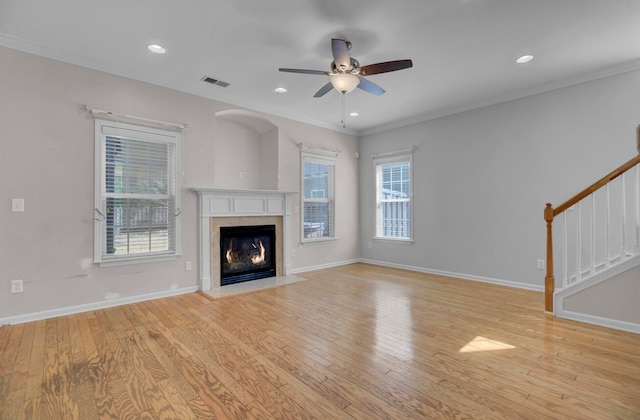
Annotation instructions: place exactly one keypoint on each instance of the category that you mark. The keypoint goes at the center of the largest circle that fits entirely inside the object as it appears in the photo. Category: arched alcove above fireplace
(251, 160)
(256, 122)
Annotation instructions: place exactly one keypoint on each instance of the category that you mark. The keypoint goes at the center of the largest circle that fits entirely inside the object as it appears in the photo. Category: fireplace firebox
(247, 253)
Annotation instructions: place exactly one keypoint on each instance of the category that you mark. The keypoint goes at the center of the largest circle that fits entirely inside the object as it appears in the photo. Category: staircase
(594, 237)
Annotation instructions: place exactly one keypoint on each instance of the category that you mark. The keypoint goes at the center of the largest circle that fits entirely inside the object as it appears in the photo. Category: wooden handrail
(550, 213)
(598, 184)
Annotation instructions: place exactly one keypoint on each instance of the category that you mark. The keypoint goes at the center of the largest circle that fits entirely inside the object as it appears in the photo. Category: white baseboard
(323, 266)
(527, 286)
(70, 310)
(603, 322)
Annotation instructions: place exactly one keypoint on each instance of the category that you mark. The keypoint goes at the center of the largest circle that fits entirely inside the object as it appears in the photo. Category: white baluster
(637, 194)
(593, 233)
(623, 251)
(607, 229)
(579, 243)
(565, 254)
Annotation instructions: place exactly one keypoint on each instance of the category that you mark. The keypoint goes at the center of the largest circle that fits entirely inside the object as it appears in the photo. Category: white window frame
(103, 129)
(385, 159)
(323, 160)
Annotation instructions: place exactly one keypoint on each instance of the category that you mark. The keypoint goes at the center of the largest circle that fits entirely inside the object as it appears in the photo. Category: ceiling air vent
(214, 81)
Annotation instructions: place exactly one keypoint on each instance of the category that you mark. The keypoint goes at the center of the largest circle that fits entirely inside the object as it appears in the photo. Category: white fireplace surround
(215, 202)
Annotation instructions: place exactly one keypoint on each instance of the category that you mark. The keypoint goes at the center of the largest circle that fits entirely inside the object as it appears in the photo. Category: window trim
(135, 132)
(389, 158)
(330, 161)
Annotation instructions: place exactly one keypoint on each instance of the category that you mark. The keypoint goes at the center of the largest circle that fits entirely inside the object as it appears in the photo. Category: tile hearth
(251, 286)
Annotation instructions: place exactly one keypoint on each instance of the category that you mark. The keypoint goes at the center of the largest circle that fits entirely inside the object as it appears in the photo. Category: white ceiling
(463, 51)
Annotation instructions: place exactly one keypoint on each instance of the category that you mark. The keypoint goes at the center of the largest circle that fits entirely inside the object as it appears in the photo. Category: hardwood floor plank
(33, 389)
(21, 366)
(8, 361)
(31, 409)
(350, 342)
(184, 388)
(379, 385)
(218, 398)
(175, 400)
(105, 406)
(120, 395)
(77, 351)
(211, 360)
(11, 407)
(58, 389)
(200, 409)
(313, 403)
(139, 382)
(5, 332)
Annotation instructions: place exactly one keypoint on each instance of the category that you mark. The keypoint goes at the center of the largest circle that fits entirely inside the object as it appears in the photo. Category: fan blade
(369, 86)
(303, 71)
(323, 90)
(340, 52)
(385, 67)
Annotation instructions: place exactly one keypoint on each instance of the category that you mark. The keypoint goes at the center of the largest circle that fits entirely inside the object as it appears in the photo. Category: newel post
(549, 280)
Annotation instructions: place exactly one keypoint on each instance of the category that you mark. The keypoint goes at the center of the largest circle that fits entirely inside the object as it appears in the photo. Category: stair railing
(577, 203)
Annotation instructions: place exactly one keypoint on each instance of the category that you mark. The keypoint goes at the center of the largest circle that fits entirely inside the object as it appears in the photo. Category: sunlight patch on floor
(484, 344)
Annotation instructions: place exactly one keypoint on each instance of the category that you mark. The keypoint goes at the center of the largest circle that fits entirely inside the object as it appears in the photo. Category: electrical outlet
(187, 266)
(540, 264)
(17, 205)
(293, 252)
(16, 286)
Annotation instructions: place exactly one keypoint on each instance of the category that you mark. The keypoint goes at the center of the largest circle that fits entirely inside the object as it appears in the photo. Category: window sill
(393, 240)
(318, 240)
(135, 260)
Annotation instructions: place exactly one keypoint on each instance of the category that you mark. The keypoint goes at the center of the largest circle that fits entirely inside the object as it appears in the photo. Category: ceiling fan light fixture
(344, 82)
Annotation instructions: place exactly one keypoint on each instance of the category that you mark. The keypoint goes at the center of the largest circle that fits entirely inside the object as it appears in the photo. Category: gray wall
(481, 180)
(616, 298)
(47, 158)
(482, 177)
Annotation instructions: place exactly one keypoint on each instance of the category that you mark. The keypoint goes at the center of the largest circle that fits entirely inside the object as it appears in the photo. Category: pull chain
(344, 125)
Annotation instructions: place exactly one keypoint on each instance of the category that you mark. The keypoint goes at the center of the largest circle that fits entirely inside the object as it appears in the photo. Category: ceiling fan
(347, 74)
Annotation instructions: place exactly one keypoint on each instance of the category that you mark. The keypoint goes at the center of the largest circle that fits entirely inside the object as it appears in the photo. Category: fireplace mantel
(216, 202)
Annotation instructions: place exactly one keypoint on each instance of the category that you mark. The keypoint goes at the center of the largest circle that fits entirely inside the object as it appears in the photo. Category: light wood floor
(358, 341)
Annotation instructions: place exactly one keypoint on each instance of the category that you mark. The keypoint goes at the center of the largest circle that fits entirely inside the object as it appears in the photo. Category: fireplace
(247, 253)
(224, 208)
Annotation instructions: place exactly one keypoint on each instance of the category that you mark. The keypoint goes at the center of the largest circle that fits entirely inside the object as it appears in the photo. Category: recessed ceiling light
(281, 90)
(156, 49)
(524, 59)
(354, 114)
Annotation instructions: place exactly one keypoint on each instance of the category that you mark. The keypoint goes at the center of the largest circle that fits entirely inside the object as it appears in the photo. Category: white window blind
(137, 194)
(318, 198)
(393, 197)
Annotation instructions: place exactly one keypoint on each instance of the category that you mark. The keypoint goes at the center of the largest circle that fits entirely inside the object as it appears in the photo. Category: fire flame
(228, 253)
(255, 255)
(257, 259)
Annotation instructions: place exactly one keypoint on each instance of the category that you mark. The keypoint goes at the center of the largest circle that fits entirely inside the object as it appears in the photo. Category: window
(318, 203)
(393, 197)
(136, 194)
